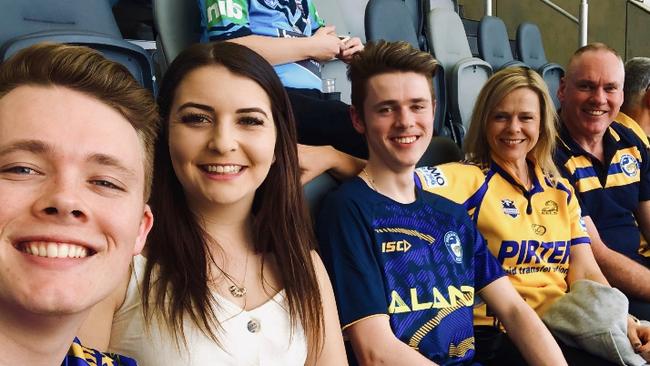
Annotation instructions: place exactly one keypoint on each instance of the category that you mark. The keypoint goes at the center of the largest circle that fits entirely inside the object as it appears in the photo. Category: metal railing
(641, 4)
(582, 20)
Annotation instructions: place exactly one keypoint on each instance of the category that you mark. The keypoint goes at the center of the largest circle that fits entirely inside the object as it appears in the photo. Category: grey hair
(637, 80)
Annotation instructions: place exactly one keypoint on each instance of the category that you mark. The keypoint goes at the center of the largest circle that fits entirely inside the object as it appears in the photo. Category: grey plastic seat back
(378, 14)
(316, 190)
(389, 20)
(178, 23)
(83, 22)
(441, 150)
(531, 51)
(465, 75)
(494, 45)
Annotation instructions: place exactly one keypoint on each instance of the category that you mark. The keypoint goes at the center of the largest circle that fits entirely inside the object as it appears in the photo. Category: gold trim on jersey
(428, 238)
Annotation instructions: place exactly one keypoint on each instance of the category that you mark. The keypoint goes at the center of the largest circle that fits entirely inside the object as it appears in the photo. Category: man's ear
(357, 122)
(145, 226)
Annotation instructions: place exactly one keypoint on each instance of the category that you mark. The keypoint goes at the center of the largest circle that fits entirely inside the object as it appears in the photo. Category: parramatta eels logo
(550, 208)
(452, 242)
(509, 208)
(629, 165)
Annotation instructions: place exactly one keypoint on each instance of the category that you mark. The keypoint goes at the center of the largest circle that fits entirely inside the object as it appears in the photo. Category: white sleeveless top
(257, 337)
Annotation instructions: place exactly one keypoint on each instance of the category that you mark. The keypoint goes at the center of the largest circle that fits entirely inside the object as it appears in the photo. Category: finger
(329, 29)
(634, 339)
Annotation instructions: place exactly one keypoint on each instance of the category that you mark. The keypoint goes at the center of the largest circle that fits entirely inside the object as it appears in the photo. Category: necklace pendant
(237, 291)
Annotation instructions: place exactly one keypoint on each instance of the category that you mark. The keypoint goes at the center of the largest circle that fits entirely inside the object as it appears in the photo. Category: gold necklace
(235, 289)
(371, 181)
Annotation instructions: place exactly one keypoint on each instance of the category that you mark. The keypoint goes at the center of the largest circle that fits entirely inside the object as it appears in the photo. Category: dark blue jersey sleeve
(486, 267)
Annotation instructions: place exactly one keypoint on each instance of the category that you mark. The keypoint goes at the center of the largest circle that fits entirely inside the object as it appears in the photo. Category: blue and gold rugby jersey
(530, 232)
(227, 19)
(610, 192)
(79, 355)
(419, 263)
(630, 123)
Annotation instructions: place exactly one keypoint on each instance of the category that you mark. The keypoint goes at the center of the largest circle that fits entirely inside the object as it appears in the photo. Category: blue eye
(106, 184)
(21, 170)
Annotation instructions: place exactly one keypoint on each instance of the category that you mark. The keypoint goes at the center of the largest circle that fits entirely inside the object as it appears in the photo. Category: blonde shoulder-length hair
(476, 147)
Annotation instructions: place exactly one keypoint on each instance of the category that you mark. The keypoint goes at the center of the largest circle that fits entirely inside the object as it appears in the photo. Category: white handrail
(641, 5)
(560, 10)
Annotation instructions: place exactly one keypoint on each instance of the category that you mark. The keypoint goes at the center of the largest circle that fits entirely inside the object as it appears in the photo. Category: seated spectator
(529, 216)
(406, 264)
(608, 166)
(76, 156)
(229, 276)
(635, 110)
(291, 36)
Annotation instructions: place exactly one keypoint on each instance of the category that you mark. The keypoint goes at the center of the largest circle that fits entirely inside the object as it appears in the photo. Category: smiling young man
(76, 142)
(406, 264)
(609, 167)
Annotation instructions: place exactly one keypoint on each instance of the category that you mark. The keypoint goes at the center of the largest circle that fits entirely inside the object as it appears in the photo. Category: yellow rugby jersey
(530, 232)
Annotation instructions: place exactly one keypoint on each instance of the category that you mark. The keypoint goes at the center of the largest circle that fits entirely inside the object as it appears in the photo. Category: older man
(635, 111)
(609, 166)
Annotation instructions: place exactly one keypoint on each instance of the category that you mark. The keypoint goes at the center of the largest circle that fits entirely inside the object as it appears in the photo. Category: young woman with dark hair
(230, 276)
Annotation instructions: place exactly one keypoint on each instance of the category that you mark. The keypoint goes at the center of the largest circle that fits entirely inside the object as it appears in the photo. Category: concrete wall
(561, 35)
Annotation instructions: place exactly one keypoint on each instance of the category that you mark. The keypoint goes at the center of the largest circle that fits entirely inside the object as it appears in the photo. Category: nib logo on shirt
(230, 9)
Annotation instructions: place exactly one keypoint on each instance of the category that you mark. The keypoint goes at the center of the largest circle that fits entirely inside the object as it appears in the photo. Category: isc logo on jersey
(229, 9)
(433, 177)
(395, 246)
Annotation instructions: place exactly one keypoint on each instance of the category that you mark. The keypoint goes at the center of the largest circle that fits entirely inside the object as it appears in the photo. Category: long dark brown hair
(177, 275)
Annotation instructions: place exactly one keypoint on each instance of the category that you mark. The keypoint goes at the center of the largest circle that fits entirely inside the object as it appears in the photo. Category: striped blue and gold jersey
(227, 19)
(610, 191)
(420, 264)
(630, 123)
(529, 231)
(79, 355)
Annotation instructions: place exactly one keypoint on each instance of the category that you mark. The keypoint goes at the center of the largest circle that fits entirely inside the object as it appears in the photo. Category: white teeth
(512, 141)
(596, 113)
(55, 250)
(223, 169)
(405, 140)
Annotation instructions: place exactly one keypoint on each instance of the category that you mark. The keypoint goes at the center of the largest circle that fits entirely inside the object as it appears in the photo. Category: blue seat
(178, 23)
(494, 45)
(316, 190)
(465, 75)
(81, 22)
(531, 52)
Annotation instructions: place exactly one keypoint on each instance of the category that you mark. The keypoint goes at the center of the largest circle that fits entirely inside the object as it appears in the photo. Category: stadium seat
(531, 52)
(417, 9)
(465, 75)
(83, 22)
(494, 45)
(317, 189)
(178, 23)
(441, 150)
(378, 14)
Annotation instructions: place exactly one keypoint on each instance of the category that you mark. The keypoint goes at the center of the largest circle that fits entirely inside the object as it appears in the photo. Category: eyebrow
(207, 108)
(395, 102)
(33, 146)
(38, 147)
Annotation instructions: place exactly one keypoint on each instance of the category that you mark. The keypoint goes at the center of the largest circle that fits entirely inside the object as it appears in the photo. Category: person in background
(229, 277)
(291, 36)
(635, 110)
(76, 157)
(406, 265)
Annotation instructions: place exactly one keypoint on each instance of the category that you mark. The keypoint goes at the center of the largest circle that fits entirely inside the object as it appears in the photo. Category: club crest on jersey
(453, 244)
(629, 165)
(509, 208)
(550, 208)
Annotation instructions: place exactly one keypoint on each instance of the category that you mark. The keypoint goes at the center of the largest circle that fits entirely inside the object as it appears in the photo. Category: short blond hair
(498, 87)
